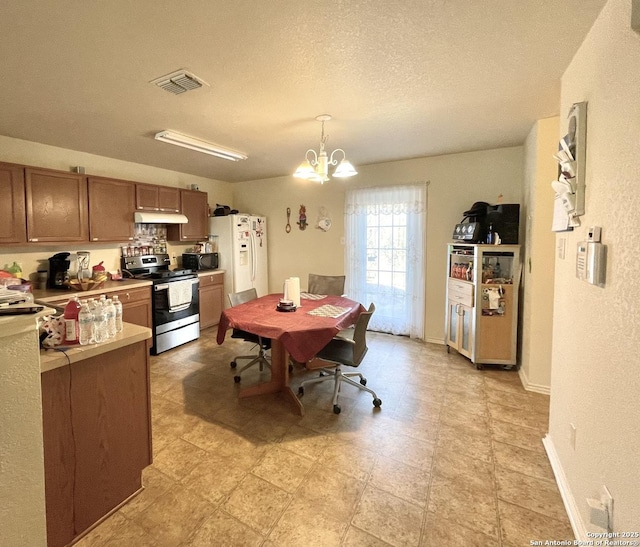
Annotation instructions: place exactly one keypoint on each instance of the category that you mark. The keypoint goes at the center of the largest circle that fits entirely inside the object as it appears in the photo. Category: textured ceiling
(401, 78)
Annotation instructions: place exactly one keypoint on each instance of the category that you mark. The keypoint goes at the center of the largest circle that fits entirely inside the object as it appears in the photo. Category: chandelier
(315, 167)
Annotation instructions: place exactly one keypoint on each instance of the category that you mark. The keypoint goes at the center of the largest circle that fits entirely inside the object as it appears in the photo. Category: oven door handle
(180, 307)
(165, 286)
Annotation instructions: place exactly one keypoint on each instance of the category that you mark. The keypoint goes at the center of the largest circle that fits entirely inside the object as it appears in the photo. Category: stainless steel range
(175, 304)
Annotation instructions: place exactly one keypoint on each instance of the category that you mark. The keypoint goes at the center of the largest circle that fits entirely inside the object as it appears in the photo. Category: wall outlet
(572, 436)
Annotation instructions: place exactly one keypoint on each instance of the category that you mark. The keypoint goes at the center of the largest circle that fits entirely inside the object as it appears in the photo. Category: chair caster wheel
(363, 381)
(236, 379)
(233, 364)
(377, 402)
(336, 409)
(301, 391)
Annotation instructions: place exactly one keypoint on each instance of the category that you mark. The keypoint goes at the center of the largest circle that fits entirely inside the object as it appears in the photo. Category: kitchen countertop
(54, 358)
(209, 272)
(51, 295)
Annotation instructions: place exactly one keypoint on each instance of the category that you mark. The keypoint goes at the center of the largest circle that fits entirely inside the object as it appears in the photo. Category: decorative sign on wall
(570, 187)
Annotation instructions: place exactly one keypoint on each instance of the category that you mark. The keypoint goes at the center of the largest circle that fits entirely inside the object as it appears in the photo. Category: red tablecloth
(302, 335)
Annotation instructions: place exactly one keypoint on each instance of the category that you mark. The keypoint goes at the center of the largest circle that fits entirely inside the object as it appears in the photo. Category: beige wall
(595, 379)
(22, 517)
(51, 157)
(456, 181)
(537, 310)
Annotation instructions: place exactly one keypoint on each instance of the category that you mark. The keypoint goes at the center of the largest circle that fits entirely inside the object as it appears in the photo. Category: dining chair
(263, 344)
(349, 351)
(326, 284)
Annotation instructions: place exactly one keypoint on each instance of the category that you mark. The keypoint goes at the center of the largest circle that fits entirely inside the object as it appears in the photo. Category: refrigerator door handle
(253, 256)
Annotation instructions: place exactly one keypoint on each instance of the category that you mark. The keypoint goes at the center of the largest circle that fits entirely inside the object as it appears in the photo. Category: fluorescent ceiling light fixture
(173, 137)
(315, 167)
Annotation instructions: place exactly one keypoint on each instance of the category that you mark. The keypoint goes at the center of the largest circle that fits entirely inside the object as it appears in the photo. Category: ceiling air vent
(179, 82)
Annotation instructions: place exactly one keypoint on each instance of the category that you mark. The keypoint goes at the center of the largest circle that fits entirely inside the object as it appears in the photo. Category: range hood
(159, 218)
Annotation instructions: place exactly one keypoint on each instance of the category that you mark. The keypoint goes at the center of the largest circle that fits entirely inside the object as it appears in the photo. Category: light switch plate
(562, 247)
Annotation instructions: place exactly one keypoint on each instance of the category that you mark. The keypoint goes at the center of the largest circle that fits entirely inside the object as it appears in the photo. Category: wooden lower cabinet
(211, 296)
(97, 438)
(136, 305)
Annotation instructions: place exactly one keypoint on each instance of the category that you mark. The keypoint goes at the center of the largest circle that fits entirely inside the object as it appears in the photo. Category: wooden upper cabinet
(147, 197)
(13, 226)
(56, 204)
(195, 207)
(169, 199)
(111, 207)
(150, 197)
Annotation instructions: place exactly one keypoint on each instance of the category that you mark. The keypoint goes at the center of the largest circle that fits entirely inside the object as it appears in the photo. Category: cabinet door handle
(128, 296)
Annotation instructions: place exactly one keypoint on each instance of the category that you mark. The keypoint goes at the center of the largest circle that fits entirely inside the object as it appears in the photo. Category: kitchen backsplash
(32, 259)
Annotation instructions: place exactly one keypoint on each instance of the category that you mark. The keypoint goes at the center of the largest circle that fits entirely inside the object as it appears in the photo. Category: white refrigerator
(242, 248)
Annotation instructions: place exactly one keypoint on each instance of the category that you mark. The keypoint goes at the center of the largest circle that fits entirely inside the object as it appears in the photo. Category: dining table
(301, 333)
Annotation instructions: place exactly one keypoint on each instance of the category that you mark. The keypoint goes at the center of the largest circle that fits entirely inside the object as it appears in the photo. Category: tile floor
(453, 458)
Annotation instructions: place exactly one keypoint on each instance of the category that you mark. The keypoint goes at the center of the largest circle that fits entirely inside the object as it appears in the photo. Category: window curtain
(385, 232)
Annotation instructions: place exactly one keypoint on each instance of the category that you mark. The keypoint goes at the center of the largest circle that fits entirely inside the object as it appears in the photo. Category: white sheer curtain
(384, 255)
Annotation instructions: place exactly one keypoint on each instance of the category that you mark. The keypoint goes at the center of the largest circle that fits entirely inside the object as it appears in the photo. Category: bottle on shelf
(71, 312)
(118, 307)
(85, 324)
(490, 235)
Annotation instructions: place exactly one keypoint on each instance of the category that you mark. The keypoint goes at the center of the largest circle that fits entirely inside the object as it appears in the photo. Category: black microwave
(200, 261)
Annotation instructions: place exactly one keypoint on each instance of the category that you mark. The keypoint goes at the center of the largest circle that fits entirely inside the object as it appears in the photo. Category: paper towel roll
(293, 288)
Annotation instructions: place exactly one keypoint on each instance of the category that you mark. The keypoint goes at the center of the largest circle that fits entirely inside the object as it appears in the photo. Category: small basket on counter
(96, 281)
(86, 284)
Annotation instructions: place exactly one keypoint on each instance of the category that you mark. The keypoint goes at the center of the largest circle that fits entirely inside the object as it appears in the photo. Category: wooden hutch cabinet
(482, 302)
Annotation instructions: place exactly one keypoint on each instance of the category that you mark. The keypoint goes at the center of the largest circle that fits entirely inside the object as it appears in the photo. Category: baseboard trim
(439, 341)
(567, 497)
(537, 388)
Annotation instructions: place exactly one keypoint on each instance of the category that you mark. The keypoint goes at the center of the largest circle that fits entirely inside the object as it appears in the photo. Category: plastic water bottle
(92, 308)
(85, 323)
(110, 312)
(118, 306)
(100, 323)
(71, 311)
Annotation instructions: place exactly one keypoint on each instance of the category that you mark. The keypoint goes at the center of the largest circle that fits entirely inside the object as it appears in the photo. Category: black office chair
(326, 284)
(345, 351)
(261, 358)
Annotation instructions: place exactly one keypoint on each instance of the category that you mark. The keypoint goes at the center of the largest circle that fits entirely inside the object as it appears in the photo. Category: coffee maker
(58, 271)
